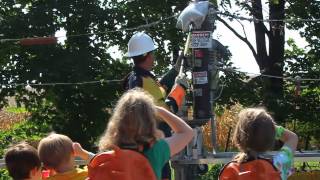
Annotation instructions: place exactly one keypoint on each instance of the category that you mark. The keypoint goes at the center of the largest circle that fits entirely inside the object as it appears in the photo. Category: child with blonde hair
(255, 133)
(57, 153)
(133, 126)
(22, 162)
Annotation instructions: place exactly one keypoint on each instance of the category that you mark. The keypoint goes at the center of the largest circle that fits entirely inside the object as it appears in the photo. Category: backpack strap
(269, 161)
(134, 147)
(96, 161)
(225, 166)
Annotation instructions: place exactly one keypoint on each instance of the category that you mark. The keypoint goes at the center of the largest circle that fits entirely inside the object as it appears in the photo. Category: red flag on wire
(38, 41)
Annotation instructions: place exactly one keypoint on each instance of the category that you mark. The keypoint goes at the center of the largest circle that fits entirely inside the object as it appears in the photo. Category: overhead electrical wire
(148, 25)
(270, 76)
(140, 27)
(267, 20)
(104, 81)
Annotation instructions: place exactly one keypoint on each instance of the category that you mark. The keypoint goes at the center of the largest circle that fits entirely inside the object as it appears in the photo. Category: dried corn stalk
(8, 119)
(224, 122)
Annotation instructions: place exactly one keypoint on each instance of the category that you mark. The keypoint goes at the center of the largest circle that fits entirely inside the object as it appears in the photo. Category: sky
(241, 54)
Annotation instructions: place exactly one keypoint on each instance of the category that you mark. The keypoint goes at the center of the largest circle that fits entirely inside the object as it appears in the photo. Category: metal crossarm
(225, 157)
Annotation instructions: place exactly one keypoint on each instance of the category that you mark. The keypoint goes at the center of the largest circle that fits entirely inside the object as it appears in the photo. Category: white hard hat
(140, 43)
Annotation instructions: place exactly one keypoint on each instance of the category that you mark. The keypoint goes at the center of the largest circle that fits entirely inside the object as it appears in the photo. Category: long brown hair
(133, 121)
(254, 133)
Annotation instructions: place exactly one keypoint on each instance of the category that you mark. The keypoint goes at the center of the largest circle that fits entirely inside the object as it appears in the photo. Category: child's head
(132, 123)
(255, 131)
(55, 151)
(23, 162)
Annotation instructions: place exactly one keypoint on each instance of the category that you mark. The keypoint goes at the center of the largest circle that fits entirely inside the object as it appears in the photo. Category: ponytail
(245, 156)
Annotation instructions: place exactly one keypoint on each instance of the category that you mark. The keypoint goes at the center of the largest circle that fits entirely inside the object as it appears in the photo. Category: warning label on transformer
(200, 77)
(201, 39)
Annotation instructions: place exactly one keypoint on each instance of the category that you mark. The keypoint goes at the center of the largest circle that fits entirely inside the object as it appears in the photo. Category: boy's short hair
(21, 159)
(55, 150)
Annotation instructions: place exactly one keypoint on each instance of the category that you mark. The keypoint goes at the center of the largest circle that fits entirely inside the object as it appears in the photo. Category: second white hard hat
(139, 44)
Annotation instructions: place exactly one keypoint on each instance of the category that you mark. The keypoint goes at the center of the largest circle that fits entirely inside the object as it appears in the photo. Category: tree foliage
(78, 110)
(294, 61)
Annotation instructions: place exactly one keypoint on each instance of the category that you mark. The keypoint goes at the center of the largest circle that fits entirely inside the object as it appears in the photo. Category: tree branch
(245, 40)
(244, 31)
(261, 24)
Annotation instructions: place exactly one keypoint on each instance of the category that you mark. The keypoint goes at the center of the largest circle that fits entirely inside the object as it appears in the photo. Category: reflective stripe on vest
(155, 90)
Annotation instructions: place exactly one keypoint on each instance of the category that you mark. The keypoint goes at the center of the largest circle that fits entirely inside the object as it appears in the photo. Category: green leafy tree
(76, 110)
(270, 59)
(91, 27)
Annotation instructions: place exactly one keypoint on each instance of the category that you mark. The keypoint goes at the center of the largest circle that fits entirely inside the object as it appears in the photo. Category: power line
(102, 81)
(270, 76)
(140, 27)
(148, 25)
(267, 20)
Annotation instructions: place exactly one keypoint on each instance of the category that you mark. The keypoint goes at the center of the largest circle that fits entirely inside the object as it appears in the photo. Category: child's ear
(34, 171)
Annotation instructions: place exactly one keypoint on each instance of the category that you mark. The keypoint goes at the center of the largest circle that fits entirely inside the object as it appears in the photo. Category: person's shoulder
(73, 174)
(160, 143)
(160, 146)
(134, 80)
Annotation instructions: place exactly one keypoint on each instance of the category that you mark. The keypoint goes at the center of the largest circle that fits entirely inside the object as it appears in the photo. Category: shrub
(213, 173)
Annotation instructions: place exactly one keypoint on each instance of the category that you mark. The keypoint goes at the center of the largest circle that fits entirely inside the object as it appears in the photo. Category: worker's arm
(177, 95)
(167, 81)
(183, 133)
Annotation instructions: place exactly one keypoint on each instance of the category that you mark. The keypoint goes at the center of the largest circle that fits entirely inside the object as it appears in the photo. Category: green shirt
(279, 132)
(283, 161)
(158, 155)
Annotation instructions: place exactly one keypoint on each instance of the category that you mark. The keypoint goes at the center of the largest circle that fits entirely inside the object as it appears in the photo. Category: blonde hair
(132, 123)
(254, 133)
(55, 150)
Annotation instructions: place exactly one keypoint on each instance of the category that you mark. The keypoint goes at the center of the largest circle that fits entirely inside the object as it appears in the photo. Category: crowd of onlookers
(133, 125)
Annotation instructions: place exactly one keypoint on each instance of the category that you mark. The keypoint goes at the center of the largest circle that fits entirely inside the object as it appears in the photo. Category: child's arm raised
(288, 137)
(82, 153)
(183, 133)
(283, 161)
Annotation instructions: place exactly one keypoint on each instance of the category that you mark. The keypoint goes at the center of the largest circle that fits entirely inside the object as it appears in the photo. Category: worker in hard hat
(169, 92)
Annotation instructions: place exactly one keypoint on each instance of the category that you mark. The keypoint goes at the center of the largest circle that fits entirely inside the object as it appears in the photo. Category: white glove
(182, 80)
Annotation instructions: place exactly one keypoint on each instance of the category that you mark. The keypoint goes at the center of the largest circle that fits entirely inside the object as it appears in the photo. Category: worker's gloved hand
(183, 81)
(178, 62)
